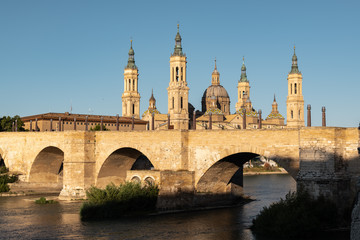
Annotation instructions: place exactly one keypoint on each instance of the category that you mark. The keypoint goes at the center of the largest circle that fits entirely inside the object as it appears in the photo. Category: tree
(98, 128)
(6, 123)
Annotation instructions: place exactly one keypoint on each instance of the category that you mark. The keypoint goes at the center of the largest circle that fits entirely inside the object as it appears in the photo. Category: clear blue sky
(57, 54)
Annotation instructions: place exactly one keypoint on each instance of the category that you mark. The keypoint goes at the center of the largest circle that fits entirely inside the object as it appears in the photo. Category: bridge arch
(224, 172)
(218, 177)
(47, 166)
(3, 161)
(114, 168)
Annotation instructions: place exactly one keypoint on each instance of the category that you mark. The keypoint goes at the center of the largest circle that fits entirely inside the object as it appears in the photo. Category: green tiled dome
(214, 111)
(275, 116)
(248, 114)
(151, 111)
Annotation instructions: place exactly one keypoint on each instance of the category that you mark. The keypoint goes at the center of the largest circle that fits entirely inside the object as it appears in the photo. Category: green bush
(116, 201)
(43, 200)
(299, 215)
(4, 187)
(4, 180)
(3, 169)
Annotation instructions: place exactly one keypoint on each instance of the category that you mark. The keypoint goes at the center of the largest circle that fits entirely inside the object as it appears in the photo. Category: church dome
(221, 95)
(215, 90)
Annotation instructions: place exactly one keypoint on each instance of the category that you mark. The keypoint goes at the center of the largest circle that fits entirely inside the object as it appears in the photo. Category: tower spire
(294, 66)
(178, 48)
(243, 77)
(131, 60)
(215, 64)
(152, 95)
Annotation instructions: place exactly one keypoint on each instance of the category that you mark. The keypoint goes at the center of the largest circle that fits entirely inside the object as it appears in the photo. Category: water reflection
(21, 218)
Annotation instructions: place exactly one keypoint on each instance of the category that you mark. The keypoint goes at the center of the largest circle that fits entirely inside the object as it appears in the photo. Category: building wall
(44, 125)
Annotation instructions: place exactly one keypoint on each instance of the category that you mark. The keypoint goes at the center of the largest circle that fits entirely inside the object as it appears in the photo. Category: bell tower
(178, 91)
(131, 96)
(295, 99)
(243, 89)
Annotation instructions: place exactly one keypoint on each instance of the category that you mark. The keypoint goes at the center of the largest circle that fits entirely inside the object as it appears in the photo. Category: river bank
(250, 171)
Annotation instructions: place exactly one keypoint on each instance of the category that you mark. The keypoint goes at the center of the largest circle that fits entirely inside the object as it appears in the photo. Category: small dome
(215, 90)
(131, 51)
(243, 68)
(178, 37)
(152, 99)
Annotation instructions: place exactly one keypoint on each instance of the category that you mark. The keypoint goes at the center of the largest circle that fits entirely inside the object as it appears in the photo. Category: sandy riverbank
(282, 171)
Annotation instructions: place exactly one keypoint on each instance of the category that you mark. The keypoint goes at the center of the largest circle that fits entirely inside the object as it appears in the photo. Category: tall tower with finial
(178, 91)
(243, 88)
(131, 96)
(295, 99)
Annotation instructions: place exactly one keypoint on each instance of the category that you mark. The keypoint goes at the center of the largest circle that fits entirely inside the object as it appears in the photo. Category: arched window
(182, 73)
(173, 102)
(299, 113)
(150, 181)
(292, 114)
(181, 103)
(134, 86)
(177, 74)
(133, 109)
(129, 86)
(295, 90)
(135, 179)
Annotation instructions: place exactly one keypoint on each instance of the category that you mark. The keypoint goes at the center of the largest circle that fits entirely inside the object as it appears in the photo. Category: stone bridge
(324, 160)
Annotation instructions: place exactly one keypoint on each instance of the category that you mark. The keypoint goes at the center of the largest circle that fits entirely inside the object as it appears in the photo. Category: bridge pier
(329, 164)
(79, 164)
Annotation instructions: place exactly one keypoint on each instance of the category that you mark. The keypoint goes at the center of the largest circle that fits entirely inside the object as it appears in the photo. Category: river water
(21, 218)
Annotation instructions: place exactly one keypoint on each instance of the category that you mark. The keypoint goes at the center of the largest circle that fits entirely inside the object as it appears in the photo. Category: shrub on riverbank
(298, 215)
(3, 169)
(43, 200)
(4, 180)
(117, 201)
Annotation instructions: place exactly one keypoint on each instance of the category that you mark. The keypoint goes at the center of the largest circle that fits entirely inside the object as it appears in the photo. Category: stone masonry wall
(326, 156)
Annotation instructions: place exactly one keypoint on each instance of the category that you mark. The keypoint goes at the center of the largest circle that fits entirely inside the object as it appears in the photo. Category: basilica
(215, 103)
